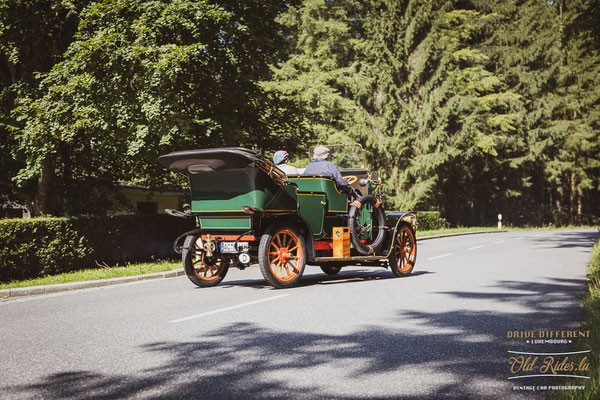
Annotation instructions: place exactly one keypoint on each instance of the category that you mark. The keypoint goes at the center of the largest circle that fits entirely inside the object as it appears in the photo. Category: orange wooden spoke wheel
(404, 252)
(206, 271)
(200, 269)
(282, 257)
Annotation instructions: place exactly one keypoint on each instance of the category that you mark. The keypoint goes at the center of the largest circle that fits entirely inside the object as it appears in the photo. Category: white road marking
(519, 238)
(436, 257)
(220, 310)
(500, 241)
(476, 247)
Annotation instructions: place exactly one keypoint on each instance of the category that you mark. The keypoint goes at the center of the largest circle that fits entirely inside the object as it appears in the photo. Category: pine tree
(406, 80)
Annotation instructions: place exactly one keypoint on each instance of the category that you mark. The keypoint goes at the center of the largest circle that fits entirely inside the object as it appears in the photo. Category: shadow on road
(567, 239)
(463, 352)
(310, 278)
(245, 360)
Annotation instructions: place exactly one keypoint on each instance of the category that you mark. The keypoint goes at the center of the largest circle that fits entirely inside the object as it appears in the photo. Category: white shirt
(288, 169)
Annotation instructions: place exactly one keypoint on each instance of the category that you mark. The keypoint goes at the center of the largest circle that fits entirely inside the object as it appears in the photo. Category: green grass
(98, 273)
(591, 322)
(445, 231)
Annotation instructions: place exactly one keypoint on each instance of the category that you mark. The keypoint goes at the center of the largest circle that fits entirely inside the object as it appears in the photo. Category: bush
(31, 248)
(430, 220)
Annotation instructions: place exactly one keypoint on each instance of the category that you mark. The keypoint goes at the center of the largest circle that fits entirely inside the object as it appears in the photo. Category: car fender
(294, 220)
(396, 219)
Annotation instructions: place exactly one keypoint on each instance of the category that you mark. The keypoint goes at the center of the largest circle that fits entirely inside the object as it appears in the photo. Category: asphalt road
(439, 333)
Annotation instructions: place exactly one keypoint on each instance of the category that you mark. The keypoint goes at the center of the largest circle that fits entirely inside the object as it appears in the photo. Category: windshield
(345, 156)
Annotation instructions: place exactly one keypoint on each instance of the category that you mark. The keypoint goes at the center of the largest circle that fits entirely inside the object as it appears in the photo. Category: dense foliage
(45, 246)
(141, 78)
(471, 108)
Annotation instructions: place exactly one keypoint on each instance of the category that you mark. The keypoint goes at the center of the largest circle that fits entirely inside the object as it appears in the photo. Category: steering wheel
(351, 179)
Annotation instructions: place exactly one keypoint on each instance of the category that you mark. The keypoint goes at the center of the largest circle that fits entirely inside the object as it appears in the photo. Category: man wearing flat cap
(319, 166)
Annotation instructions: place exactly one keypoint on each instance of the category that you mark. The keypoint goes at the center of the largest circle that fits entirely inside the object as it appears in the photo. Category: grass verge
(446, 231)
(98, 273)
(591, 322)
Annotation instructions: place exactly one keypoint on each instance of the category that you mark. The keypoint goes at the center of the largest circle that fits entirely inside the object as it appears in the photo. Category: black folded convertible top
(192, 161)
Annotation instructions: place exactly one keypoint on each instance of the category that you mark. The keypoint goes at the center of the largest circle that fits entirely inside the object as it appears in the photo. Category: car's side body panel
(312, 209)
(336, 202)
(228, 190)
(336, 206)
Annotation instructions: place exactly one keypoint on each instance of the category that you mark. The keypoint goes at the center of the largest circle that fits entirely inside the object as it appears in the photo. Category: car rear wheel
(282, 257)
(403, 254)
(202, 270)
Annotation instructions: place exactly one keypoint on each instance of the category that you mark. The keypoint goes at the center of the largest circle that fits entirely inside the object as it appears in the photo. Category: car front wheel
(403, 254)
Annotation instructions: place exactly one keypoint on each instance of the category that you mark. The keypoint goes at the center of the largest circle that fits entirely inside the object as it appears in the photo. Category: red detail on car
(231, 238)
(323, 245)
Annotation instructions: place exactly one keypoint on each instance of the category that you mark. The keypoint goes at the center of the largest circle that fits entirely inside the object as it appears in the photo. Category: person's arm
(341, 183)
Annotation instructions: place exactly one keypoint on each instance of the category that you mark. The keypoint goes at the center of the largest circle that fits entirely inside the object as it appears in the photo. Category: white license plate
(229, 247)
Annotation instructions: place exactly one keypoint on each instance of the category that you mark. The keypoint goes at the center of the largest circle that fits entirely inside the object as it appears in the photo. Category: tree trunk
(572, 199)
(482, 213)
(68, 201)
(579, 209)
(45, 186)
(560, 191)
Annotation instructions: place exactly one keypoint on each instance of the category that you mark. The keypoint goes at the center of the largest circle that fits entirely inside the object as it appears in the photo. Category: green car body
(246, 208)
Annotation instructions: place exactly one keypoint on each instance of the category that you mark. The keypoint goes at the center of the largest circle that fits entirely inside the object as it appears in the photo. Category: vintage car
(248, 211)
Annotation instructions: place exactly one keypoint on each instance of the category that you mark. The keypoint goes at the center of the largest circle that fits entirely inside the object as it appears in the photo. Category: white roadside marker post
(499, 221)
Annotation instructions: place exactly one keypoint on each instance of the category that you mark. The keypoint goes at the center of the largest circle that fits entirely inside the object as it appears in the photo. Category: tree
(471, 107)
(143, 78)
(33, 36)
(407, 80)
(547, 53)
(575, 120)
(468, 107)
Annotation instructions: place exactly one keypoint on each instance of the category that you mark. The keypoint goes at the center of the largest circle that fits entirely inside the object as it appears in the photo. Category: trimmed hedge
(429, 220)
(31, 248)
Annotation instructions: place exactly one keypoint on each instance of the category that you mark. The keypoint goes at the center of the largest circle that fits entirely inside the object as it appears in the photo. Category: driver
(319, 166)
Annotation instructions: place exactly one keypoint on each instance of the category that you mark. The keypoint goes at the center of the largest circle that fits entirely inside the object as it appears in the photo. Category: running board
(355, 258)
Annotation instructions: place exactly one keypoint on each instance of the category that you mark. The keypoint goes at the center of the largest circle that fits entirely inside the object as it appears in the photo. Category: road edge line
(458, 234)
(63, 287)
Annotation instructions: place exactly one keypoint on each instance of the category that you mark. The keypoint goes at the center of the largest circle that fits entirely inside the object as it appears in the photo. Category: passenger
(281, 159)
(319, 166)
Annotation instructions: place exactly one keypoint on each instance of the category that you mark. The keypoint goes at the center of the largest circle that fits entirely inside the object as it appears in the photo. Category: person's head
(280, 157)
(320, 152)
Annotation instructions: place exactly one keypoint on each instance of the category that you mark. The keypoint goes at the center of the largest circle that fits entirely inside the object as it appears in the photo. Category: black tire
(330, 269)
(355, 210)
(403, 252)
(276, 254)
(203, 274)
